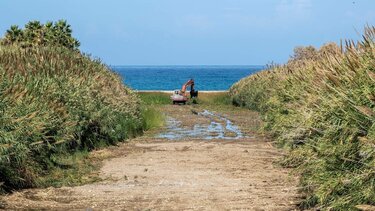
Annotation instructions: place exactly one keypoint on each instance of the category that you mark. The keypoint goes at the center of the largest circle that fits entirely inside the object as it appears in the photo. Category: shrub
(56, 101)
(322, 108)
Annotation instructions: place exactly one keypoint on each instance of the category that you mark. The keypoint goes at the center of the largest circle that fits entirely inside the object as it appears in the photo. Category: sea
(167, 78)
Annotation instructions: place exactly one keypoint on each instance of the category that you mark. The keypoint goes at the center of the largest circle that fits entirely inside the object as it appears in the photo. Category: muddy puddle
(218, 128)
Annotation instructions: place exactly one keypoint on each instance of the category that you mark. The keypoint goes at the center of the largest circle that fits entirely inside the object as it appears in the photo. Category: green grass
(71, 169)
(153, 117)
(155, 98)
(151, 101)
(321, 106)
(215, 98)
(160, 98)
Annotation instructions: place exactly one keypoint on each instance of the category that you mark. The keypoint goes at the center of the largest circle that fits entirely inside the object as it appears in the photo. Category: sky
(197, 32)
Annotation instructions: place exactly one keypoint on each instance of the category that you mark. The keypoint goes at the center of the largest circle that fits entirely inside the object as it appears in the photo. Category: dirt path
(194, 173)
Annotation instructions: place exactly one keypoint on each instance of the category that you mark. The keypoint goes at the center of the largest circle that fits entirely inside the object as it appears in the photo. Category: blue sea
(207, 78)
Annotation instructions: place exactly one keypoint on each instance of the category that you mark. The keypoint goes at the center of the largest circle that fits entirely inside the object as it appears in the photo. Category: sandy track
(158, 174)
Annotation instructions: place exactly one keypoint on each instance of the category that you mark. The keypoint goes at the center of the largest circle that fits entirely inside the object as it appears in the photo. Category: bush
(322, 108)
(55, 101)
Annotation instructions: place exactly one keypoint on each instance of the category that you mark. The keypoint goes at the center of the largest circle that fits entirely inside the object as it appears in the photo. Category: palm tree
(34, 33)
(37, 34)
(13, 35)
(49, 34)
(63, 33)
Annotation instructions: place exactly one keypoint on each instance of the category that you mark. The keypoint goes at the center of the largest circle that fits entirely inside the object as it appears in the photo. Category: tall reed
(321, 105)
(56, 101)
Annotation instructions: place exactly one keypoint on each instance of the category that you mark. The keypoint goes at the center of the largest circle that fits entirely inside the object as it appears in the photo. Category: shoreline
(171, 91)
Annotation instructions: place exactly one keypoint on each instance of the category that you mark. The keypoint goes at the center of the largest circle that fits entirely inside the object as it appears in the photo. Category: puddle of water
(219, 128)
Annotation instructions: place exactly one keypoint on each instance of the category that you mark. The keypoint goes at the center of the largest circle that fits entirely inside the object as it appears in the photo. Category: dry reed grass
(55, 101)
(322, 107)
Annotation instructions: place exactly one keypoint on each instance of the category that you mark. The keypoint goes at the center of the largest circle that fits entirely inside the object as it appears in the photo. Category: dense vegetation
(55, 102)
(321, 105)
(36, 34)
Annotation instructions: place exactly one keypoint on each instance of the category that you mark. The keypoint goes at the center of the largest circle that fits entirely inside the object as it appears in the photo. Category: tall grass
(214, 99)
(54, 101)
(321, 106)
(155, 98)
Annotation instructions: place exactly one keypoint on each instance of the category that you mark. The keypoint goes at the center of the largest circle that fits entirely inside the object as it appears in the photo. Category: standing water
(219, 128)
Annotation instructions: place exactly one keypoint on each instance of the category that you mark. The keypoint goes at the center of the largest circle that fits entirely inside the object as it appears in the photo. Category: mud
(219, 127)
(207, 171)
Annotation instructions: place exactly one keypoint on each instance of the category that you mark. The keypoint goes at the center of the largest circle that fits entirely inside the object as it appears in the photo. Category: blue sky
(197, 32)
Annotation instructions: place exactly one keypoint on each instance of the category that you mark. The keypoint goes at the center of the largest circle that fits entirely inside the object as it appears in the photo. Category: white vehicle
(180, 96)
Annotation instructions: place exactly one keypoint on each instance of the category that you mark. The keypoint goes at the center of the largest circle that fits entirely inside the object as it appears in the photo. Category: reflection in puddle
(219, 128)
